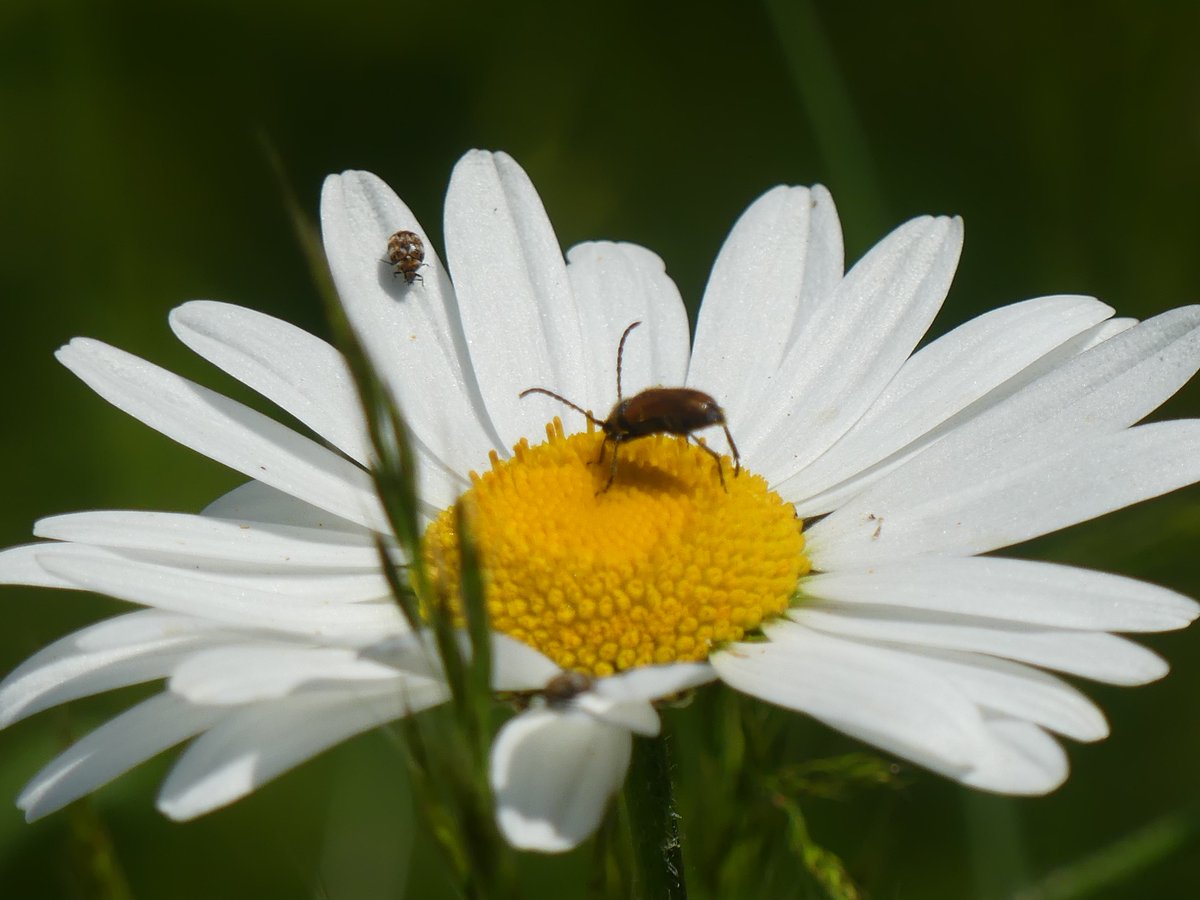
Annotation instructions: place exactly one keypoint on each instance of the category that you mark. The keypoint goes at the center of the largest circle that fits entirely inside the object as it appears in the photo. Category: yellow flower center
(662, 566)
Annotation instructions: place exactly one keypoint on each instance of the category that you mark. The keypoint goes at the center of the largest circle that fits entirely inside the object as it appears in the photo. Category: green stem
(826, 99)
(653, 823)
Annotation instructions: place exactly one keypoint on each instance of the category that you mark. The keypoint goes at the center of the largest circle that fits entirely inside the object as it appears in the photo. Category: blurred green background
(132, 179)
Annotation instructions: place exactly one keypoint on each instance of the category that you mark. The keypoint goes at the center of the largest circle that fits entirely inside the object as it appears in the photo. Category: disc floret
(664, 566)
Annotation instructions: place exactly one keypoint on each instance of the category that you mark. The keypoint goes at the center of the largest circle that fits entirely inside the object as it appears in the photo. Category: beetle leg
(737, 459)
(612, 470)
(715, 455)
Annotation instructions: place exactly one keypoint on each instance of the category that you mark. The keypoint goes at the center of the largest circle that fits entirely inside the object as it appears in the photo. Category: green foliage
(746, 825)
(826, 869)
(94, 864)
(835, 777)
(1122, 862)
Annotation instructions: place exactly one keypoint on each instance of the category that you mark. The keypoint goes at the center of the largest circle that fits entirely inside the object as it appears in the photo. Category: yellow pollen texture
(661, 567)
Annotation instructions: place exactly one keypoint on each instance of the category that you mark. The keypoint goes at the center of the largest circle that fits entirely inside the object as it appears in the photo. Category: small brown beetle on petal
(406, 251)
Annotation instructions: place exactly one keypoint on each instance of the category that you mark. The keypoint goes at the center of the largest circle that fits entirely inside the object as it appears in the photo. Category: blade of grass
(826, 99)
(474, 605)
(825, 867)
(1119, 862)
(450, 784)
(95, 867)
(650, 810)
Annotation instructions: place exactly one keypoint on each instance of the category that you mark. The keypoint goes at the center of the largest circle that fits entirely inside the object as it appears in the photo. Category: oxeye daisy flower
(839, 573)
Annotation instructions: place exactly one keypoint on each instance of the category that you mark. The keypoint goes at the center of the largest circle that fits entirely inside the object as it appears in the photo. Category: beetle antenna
(621, 353)
(561, 399)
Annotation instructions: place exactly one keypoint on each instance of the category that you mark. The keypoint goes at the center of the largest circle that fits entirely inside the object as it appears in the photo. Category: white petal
(226, 431)
(865, 691)
(1089, 654)
(1022, 760)
(411, 332)
(521, 322)
(257, 502)
(845, 355)
(19, 565)
(615, 285)
(176, 591)
(293, 369)
(515, 666)
(1106, 330)
(637, 716)
(518, 667)
(1014, 590)
(838, 495)
(624, 699)
(113, 749)
(966, 510)
(250, 672)
(412, 652)
(1099, 392)
(311, 585)
(942, 380)
(317, 587)
(207, 537)
(143, 626)
(655, 682)
(849, 686)
(1109, 387)
(129, 649)
(253, 745)
(552, 774)
(781, 261)
(1016, 690)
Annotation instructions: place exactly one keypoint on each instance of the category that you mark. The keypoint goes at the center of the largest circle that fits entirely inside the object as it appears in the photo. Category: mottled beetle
(406, 252)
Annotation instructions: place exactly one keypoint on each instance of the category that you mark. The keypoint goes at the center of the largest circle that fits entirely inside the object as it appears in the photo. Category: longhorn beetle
(656, 410)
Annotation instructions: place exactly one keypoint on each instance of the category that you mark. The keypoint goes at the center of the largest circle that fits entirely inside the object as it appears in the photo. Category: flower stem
(653, 823)
(827, 100)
